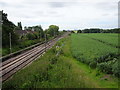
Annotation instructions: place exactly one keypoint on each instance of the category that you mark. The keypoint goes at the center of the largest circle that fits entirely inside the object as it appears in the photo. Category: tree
(64, 31)
(53, 30)
(25, 28)
(72, 31)
(31, 36)
(79, 31)
(39, 29)
(20, 25)
(29, 28)
(8, 27)
(92, 30)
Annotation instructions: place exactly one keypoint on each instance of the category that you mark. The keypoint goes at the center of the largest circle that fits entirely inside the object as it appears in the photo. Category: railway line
(14, 64)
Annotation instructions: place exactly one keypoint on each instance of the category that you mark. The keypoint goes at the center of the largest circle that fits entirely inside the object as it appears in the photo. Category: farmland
(59, 68)
(95, 53)
(111, 39)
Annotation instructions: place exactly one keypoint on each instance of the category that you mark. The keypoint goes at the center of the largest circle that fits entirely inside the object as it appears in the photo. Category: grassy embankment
(58, 69)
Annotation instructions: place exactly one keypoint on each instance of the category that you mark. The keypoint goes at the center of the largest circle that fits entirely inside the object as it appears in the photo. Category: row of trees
(9, 27)
(116, 30)
(52, 31)
(37, 29)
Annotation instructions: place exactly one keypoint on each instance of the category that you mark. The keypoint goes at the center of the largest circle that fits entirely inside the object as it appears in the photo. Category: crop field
(89, 49)
(111, 39)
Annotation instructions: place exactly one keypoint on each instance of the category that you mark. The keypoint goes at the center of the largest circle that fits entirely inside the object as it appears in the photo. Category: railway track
(14, 64)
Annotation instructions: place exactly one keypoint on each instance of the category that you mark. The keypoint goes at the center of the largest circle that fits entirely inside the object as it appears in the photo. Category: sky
(67, 14)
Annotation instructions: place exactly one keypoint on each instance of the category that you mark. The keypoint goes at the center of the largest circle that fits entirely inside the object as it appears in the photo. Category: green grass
(62, 71)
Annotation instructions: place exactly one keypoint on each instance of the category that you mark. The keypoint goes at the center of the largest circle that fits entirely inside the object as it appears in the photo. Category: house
(23, 33)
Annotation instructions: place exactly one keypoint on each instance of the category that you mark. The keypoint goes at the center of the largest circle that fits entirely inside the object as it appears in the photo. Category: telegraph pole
(10, 42)
(40, 36)
(54, 33)
(45, 43)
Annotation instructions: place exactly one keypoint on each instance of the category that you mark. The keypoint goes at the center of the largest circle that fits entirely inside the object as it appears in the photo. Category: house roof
(21, 32)
(28, 31)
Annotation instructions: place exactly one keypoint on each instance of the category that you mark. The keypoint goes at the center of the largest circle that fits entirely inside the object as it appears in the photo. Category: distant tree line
(116, 30)
(52, 31)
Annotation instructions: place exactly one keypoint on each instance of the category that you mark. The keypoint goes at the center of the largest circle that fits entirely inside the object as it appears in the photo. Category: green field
(95, 53)
(108, 38)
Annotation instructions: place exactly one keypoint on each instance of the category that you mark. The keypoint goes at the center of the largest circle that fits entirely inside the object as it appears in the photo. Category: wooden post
(10, 42)
(45, 43)
(54, 33)
(40, 36)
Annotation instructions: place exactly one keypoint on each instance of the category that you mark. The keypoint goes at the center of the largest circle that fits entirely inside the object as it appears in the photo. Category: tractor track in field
(104, 42)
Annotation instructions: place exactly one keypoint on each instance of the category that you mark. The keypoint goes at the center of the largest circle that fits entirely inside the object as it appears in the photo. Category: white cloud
(65, 13)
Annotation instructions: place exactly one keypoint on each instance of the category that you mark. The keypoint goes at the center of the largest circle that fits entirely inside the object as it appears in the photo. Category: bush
(53, 60)
(31, 36)
(93, 64)
(116, 69)
(105, 67)
(107, 57)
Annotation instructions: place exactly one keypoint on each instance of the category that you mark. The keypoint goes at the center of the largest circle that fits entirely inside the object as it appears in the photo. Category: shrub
(53, 60)
(105, 67)
(106, 58)
(116, 69)
(30, 36)
(93, 64)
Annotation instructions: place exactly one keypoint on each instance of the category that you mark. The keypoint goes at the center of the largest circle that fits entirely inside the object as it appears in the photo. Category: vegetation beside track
(58, 69)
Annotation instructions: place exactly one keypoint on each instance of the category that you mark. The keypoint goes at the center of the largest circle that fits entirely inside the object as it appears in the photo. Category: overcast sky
(67, 14)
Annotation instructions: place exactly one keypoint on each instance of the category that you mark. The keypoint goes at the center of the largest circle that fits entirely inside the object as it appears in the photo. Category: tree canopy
(97, 30)
(20, 25)
(53, 30)
(79, 31)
